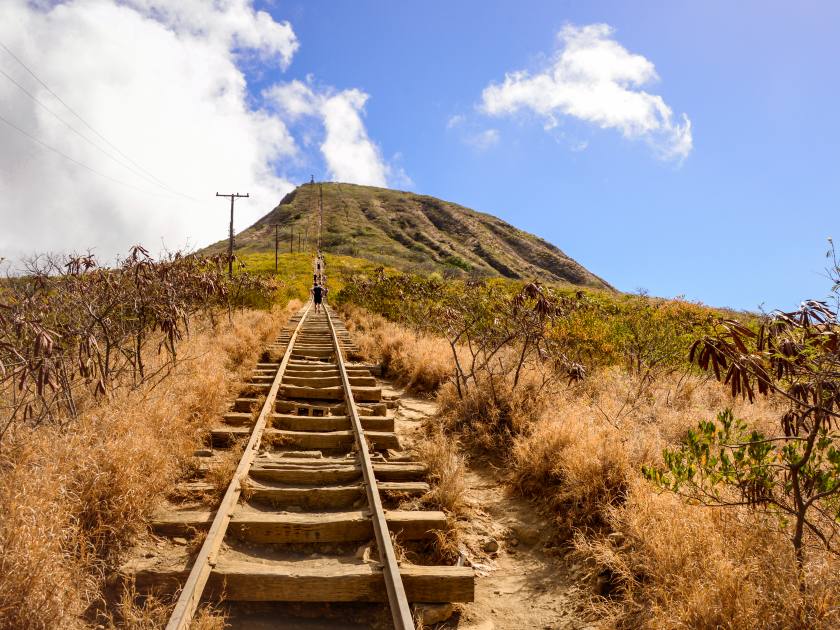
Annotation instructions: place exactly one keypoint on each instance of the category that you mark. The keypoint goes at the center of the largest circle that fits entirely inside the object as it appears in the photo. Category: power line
(89, 126)
(74, 160)
(73, 129)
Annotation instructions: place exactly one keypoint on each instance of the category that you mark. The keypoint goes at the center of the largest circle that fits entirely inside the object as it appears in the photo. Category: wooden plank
(332, 472)
(238, 418)
(321, 379)
(244, 404)
(181, 522)
(306, 439)
(333, 439)
(320, 580)
(266, 527)
(365, 394)
(306, 474)
(293, 407)
(327, 527)
(338, 496)
(329, 423)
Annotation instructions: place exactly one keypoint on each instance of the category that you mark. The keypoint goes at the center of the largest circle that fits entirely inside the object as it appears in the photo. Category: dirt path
(521, 582)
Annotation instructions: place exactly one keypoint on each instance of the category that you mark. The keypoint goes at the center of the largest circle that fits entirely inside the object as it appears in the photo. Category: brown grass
(418, 362)
(74, 498)
(661, 562)
(491, 411)
(154, 613)
(447, 468)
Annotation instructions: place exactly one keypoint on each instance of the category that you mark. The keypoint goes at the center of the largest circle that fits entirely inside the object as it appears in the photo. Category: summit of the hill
(410, 232)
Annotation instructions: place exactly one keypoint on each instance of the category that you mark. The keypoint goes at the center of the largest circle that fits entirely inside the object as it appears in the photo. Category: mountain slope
(410, 232)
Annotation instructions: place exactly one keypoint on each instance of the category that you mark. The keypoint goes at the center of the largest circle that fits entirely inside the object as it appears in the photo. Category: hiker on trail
(317, 293)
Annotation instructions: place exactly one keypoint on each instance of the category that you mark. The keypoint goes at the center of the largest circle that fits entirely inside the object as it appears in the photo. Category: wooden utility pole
(233, 197)
(276, 244)
(291, 240)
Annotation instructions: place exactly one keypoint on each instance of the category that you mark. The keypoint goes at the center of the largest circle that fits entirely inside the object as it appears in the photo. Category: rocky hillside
(410, 232)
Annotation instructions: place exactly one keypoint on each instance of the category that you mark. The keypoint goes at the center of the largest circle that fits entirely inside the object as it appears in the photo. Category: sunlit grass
(295, 271)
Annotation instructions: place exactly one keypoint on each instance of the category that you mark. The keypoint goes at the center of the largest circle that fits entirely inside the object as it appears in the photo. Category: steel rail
(397, 600)
(204, 562)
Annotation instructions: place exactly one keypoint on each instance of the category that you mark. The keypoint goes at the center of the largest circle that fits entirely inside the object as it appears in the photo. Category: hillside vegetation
(690, 503)
(409, 232)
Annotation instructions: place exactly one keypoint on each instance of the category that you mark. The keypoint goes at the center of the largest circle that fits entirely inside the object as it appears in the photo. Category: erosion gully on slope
(299, 550)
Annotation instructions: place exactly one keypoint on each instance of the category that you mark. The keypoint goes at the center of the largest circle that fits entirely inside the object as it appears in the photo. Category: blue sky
(684, 148)
(741, 221)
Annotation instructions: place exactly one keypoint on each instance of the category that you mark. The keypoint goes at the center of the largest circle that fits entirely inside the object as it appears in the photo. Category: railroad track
(304, 518)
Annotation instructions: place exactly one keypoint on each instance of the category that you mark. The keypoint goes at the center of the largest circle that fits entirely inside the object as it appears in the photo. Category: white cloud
(160, 81)
(595, 79)
(455, 120)
(484, 139)
(350, 154)
(234, 23)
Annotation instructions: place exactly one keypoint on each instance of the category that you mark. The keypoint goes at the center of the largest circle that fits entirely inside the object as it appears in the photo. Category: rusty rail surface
(397, 600)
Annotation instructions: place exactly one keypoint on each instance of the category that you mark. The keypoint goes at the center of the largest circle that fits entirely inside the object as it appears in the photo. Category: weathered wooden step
(297, 351)
(307, 439)
(318, 380)
(334, 408)
(328, 471)
(329, 423)
(331, 393)
(315, 580)
(327, 496)
(238, 418)
(313, 527)
(245, 403)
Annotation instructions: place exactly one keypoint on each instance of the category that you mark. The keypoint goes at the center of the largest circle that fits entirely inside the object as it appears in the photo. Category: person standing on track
(317, 293)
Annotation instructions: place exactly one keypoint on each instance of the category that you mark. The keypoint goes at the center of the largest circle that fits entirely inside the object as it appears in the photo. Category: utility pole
(233, 197)
(276, 244)
(291, 240)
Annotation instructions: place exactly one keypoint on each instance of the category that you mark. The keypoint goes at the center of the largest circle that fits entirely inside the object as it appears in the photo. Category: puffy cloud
(160, 81)
(595, 79)
(350, 154)
(232, 22)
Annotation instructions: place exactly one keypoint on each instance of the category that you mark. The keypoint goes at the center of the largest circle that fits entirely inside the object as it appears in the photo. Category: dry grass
(220, 471)
(74, 498)
(153, 614)
(489, 412)
(447, 468)
(672, 565)
(418, 362)
(663, 563)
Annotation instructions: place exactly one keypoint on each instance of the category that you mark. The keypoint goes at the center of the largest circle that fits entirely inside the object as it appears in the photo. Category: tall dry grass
(447, 467)
(659, 562)
(577, 450)
(73, 498)
(418, 362)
